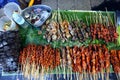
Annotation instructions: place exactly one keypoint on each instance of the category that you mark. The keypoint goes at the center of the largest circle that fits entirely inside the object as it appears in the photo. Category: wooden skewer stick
(77, 75)
(102, 74)
(109, 17)
(88, 76)
(91, 77)
(58, 73)
(42, 74)
(64, 71)
(64, 63)
(94, 76)
(84, 73)
(107, 76)
(81, 76)
(117, 75)
(107, 73)
(37, 73)
(98, 75)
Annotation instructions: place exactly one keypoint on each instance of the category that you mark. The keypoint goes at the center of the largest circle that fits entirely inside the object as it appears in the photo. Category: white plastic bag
(4, 20)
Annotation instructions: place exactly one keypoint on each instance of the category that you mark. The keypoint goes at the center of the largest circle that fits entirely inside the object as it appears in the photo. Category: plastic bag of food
(7, 24)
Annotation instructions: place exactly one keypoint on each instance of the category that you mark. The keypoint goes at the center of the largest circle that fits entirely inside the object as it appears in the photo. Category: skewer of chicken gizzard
(38, 60)
(115, 60)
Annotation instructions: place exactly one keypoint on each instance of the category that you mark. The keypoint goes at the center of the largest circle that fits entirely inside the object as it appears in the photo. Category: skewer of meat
(39, 59)
(78, 63)
(94, 62)
(119, 61)
(107, 61)
(88, 61)
(101, 61)
(84, 65)
(115, 62)
(75, 48)
(97, 65)
(119, 54)
(64, 61)
(93, 65)
(88, 54)
(69, 61)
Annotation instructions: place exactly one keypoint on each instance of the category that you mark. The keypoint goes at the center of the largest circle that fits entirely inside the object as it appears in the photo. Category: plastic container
(10, 8)
(20, 20)
(39, 12)
(13, 12)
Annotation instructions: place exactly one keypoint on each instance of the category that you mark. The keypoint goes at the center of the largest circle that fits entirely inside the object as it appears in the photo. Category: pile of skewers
(91, 62)
(107, 33)
(87, 62)
(101, 28)
(36, 60)
(76, 30)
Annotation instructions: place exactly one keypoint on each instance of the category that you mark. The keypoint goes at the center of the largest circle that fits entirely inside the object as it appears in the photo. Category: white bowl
(43, 17)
